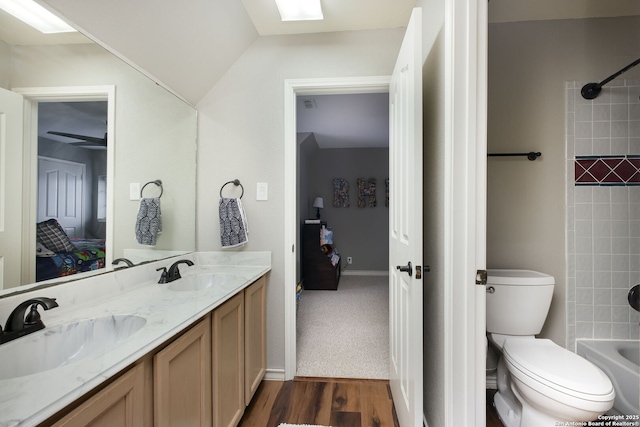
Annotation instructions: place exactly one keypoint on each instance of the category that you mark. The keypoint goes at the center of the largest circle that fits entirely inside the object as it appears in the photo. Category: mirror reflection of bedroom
(71, 202)
(343, 299)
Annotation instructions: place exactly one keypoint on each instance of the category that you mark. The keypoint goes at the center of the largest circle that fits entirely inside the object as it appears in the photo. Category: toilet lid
(558, 368)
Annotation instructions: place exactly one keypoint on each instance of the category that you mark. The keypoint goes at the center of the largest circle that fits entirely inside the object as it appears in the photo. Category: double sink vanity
(122, 346)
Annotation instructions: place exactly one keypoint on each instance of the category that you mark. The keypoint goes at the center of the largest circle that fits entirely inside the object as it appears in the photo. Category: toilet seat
(557, 372)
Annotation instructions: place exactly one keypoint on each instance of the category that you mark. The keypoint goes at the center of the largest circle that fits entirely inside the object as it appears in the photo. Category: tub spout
(634, 297)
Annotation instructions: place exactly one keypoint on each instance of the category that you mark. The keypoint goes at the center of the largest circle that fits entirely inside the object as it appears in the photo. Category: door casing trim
(293, 88)
(33, 95)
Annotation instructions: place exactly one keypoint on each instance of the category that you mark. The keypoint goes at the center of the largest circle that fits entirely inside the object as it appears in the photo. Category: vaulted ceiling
(188, 45)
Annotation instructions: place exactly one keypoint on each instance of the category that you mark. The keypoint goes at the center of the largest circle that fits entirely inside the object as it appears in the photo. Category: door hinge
(481, 277)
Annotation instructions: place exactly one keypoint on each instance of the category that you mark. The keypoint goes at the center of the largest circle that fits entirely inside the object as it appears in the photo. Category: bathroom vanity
(189, 352)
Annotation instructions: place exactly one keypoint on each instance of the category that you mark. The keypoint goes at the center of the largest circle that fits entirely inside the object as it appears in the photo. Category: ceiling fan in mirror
(85, 140)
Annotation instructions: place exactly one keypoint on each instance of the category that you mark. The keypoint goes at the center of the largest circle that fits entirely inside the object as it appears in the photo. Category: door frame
(465, 136)
(292, 89)
(32, 96)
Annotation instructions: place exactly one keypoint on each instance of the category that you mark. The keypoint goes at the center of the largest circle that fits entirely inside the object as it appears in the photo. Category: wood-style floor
(330, 402)
(322, 401)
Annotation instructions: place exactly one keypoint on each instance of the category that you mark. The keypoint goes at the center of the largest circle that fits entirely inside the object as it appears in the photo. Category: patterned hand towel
(149, 221)
(234, 230)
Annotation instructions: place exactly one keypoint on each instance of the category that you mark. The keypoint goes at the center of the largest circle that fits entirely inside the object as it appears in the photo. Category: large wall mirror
(147, 134)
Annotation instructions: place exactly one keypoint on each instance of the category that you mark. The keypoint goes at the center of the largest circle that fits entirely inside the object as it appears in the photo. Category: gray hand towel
(234, 230)
(149, 221)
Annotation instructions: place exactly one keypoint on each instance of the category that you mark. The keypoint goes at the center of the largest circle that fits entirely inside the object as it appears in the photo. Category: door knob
(406, 268)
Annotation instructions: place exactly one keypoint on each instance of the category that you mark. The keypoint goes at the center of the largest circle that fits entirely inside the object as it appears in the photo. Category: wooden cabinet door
(182, 379)
(120, 404)
(228, 362)
(255, 329)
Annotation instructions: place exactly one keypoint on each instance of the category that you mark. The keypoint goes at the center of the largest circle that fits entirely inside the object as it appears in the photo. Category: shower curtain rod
(592, 90)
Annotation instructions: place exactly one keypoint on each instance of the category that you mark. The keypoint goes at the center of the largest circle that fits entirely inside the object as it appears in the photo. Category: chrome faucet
(19, 325)
(173, 273)
(124, 260)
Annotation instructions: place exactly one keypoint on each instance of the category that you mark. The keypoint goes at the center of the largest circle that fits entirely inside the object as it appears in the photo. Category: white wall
(5, 65)
(241, 135)
(529, 63)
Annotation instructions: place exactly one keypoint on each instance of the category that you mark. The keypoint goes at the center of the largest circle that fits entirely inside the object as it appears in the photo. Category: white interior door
(405, 233)
(61, 194)
(10, 188)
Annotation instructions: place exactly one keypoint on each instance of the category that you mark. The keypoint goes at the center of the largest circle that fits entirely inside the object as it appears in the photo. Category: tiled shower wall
(603, 211)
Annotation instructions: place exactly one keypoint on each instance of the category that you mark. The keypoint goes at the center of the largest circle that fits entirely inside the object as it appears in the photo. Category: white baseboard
(274, 374)
(365, 273)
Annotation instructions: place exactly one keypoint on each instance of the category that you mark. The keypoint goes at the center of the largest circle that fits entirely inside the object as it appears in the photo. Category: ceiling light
(35, 15)
(300, 10)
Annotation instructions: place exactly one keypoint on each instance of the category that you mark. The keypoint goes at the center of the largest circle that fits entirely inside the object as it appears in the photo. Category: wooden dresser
(317, 270)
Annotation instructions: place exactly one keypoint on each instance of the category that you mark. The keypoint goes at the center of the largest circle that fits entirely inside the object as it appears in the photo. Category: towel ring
(235, 182)
(156, 182)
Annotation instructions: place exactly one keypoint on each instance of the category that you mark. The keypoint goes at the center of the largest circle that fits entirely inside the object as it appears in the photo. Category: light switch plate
(262, 192)
(134, 191)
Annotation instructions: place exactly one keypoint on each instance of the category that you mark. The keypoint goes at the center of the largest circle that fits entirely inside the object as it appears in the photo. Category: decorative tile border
(607, 170)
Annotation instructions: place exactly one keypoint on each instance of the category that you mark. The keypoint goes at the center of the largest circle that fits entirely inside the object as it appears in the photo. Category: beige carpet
(345, 333)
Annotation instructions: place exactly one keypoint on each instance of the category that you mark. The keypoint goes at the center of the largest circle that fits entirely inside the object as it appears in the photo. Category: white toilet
(539, 383)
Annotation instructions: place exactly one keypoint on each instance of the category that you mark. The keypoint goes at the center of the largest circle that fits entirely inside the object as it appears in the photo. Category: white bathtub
(620, 361)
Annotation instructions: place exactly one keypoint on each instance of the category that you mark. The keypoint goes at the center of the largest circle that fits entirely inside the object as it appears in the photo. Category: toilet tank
(517, 301)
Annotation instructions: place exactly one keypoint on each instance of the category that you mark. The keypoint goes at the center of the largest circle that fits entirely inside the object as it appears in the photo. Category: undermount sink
(199, 282)
(61, 345)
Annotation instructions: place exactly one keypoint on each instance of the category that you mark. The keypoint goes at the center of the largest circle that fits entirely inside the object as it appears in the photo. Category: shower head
(591, 90)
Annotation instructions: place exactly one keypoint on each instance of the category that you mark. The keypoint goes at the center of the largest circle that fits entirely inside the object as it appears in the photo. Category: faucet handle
(33, 316)
(163, 276)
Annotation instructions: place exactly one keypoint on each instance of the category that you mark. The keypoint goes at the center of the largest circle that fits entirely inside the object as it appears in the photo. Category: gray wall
(529, 63)
(361, 233)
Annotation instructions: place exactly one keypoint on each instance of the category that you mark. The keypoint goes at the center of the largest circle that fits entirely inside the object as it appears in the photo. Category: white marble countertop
(31, 399)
